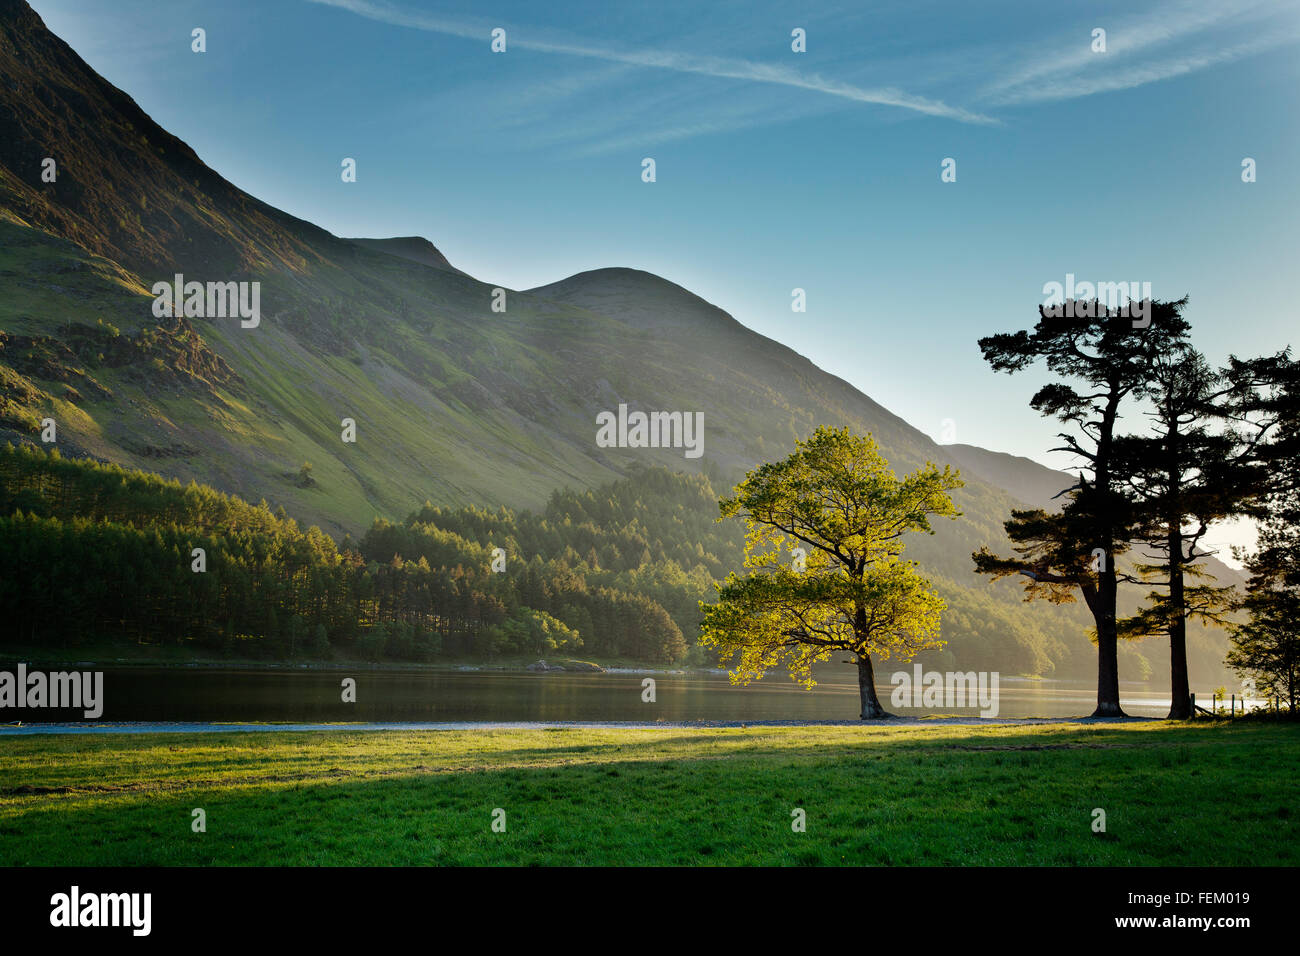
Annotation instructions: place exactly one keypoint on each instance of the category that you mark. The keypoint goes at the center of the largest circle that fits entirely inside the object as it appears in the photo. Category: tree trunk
(1107, 647)
(871, 709)
(1180, 703)
(1180, 707)
(1108, 673)
(1104, 610)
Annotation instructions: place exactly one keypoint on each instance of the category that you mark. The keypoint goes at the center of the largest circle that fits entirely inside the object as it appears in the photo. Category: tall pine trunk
(1180, 706)
(1103, 616)
(1108, 675)
(1104, 611)
(1180, 694)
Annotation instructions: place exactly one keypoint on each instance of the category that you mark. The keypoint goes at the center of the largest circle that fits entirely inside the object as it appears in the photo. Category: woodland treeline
(94, 552)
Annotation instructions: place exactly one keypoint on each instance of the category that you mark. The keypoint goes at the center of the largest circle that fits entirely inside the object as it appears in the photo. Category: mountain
(414, 248)
(453, 401)
(1023, 478)
(641, 299)
(126, 189)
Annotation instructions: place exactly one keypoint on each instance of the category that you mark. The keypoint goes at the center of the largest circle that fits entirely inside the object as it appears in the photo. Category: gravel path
(202, 728)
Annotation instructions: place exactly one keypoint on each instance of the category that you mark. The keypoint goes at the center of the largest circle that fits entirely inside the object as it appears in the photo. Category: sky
(775, 170)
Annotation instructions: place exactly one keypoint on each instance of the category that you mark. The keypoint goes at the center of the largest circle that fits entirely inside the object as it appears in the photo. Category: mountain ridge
(414, 248)
(1026, 479)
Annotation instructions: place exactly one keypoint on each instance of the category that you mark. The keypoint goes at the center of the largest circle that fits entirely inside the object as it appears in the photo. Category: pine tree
(1103, 361)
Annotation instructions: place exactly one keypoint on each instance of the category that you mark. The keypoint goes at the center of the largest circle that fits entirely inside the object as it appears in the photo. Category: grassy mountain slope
(1026, 480)
(414, 248)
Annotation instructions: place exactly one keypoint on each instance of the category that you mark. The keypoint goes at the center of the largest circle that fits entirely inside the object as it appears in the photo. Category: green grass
(903, 795)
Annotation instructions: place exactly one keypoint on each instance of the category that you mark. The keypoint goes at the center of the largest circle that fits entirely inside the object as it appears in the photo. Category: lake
(314, 694)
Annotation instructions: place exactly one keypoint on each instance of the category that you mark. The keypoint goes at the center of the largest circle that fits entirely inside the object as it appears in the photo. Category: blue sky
(775, 169)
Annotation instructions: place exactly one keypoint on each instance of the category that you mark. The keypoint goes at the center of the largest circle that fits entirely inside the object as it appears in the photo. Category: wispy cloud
(1173, 40)
(678, 62)
(1141, 74)
(635, 134)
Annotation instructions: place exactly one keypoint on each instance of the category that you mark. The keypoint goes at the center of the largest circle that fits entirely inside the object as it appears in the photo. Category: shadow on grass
(640, 804)
(141, 762)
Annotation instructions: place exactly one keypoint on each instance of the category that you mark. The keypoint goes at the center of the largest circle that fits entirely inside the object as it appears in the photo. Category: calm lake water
(221, 694)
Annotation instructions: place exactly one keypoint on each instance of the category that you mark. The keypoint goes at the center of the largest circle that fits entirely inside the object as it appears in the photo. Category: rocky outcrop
(541, 667)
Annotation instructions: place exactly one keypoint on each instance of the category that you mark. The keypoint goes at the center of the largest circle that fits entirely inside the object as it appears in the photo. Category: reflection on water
(210, 694)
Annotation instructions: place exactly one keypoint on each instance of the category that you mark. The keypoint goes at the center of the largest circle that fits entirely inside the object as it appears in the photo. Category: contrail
(676, 62)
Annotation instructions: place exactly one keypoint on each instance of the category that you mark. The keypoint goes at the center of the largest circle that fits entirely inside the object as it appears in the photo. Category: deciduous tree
(847, 589)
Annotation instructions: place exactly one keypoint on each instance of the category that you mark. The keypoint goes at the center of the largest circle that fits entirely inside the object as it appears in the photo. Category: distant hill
(414, 248)
(641, 299)
(453, 402)
(1024, 478)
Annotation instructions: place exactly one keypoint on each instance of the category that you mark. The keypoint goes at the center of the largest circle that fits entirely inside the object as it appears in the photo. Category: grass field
(1207, 794)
